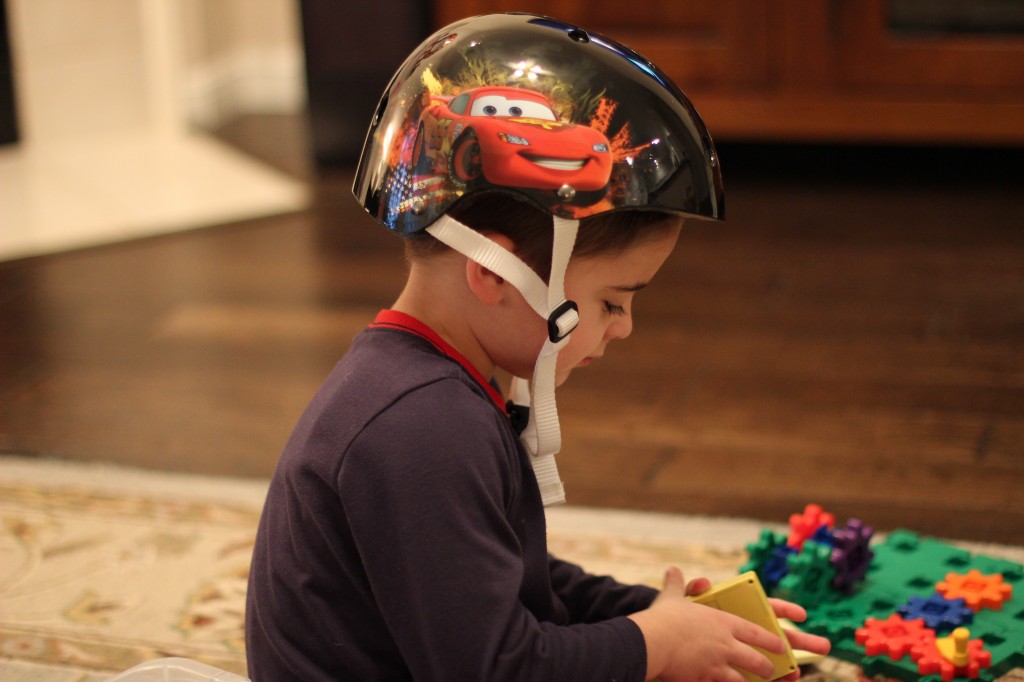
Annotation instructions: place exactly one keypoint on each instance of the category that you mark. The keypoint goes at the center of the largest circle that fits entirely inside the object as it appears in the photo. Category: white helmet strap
(542, 436)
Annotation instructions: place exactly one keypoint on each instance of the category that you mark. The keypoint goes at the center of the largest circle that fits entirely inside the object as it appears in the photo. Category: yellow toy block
(743, 596)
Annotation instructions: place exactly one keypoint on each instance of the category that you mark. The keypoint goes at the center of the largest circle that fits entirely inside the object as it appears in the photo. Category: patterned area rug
(103, 567)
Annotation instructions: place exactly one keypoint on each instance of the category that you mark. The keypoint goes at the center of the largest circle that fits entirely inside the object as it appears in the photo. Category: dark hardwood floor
(853, 335)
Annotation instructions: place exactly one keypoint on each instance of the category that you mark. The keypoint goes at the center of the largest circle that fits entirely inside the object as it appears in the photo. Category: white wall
(78, 67)
(85, 67)
(112, 98)
(242, 56)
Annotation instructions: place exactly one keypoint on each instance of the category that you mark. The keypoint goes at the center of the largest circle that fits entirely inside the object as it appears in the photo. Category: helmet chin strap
(542, 436)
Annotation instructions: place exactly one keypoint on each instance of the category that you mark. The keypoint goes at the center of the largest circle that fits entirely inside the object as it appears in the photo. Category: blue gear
(940, 614)
(769, 558)
(823, 536)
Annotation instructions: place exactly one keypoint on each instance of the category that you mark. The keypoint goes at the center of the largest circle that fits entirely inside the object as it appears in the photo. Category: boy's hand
(689, 641)
(799, 640)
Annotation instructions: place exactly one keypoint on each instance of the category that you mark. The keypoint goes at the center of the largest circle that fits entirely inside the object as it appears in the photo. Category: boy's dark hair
(529, 228)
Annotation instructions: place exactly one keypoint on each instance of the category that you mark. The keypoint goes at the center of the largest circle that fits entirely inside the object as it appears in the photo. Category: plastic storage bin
(176, 670)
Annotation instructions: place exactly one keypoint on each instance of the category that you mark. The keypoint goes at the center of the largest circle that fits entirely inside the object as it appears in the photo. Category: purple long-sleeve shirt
(403, 537)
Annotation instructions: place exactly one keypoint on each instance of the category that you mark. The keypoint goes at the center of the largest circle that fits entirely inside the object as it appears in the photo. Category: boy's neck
(442, 306)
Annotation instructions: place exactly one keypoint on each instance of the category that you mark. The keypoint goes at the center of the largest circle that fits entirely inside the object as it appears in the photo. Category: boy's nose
(621, 327)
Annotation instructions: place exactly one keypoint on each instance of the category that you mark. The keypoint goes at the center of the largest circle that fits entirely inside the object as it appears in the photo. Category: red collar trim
(393, 319)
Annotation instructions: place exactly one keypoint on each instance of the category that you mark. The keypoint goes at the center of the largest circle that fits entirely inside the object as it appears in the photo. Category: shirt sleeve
(426, 497)
(592, 598)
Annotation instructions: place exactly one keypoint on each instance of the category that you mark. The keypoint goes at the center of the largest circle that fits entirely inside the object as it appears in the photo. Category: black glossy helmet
(577, 123)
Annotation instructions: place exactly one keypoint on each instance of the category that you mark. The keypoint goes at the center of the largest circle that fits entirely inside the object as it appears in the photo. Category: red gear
(931, 661)
(893, 636)
(804, 526)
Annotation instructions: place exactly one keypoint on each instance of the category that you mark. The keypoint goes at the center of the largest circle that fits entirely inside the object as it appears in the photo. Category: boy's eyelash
(613, 309)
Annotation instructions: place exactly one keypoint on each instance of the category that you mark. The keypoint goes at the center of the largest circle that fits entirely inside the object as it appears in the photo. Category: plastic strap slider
(563, 320)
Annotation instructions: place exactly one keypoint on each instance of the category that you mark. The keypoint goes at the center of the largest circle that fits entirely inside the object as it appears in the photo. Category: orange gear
(977, 590)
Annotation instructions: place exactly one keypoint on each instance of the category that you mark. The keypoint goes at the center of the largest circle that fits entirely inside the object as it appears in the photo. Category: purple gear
(939, 614)
(851, 554)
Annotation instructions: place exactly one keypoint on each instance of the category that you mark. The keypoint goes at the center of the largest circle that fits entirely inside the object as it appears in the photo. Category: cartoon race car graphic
(511, 137)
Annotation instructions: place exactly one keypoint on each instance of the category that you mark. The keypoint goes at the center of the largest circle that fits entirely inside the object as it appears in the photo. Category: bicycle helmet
(570, 120)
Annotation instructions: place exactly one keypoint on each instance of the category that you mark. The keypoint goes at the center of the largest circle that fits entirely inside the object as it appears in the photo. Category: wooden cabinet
(821, 70)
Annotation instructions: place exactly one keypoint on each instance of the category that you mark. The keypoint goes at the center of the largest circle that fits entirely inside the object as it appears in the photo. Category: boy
(403, 535)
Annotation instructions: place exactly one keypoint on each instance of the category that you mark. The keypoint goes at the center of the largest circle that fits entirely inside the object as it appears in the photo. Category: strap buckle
(519, 415)
(563, 320)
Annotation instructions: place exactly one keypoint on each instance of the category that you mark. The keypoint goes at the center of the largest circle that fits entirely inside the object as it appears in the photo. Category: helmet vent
(579, 35)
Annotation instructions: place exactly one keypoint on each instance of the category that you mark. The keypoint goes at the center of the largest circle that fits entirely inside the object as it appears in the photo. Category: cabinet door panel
(818, 70)
(876, 52)
(698, 43)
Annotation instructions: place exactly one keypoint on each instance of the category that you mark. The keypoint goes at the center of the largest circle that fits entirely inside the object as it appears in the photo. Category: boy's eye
(613, 309)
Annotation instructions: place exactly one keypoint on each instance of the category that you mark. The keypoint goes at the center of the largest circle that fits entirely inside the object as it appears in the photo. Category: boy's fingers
(754, 661)
(805, 641)
(674, 581)
(697, 586)
(788, 610)
(755, 635)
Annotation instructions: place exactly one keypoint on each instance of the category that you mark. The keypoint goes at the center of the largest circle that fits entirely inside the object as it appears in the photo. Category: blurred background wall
(871, 71)
(109, 110)
(101, 66)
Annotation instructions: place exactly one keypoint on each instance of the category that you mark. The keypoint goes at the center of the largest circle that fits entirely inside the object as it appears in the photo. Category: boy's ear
(485, 284)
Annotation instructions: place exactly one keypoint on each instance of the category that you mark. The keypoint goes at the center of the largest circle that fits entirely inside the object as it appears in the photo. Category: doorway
(8, 116)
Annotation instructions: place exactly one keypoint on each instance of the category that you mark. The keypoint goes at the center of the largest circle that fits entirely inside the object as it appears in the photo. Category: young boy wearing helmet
(540, 175)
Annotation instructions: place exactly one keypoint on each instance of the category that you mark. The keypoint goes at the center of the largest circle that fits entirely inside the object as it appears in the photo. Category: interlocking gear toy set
(909, 607)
